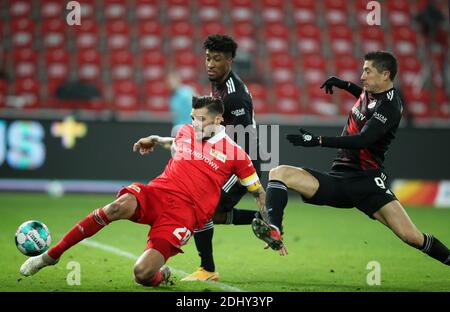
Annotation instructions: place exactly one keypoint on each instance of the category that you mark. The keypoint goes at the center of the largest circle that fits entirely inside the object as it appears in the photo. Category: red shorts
(170, 217)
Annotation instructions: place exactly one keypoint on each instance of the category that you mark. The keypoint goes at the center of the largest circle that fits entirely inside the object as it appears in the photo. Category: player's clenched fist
(146, 145)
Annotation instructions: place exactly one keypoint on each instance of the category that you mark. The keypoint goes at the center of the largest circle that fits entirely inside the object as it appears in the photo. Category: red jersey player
(174, 203)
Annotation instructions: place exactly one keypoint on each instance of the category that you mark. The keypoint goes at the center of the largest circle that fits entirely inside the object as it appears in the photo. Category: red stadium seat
(259, 98)
(304, 11)
(341, 40)
(241, 11)
(348, 68)
(57, 64)
(86, 35)
(181, 36)
(186, 64)
(156, 96)
(399, 5)
(150, 35)
(399, 18)
(287, 99)
(117, 35)
(272, 11)
(320, 103)
(28, 93)
(404, 40)
(122, 65)
(276, 38)
(336, 12)
(244, 34)
(372, 39)
(87, 9)
(178, 11)
(212, 28)
(418, 104)
(125, 96)
(25, 55)
(146, 10)
(409, 71)
(25, 63)
(19, 8)
(314, 69)
(309, 39)
(89, 65)
(54, 33)
(152, 66)
(51, 9)
(207, 3)
(282, 68)
(115, 10)
(209, 10)
(21, 31)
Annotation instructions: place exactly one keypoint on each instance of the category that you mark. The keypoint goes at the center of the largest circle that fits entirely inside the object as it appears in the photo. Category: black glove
(333, 82)
(306, 139)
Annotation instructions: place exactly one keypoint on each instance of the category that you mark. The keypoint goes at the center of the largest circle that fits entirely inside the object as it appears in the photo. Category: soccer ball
(33, 238)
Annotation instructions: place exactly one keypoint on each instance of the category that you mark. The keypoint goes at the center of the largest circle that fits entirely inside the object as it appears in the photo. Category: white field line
(129, 255)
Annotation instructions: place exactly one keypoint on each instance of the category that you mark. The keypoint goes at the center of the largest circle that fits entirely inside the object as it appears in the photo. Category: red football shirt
(199, 169)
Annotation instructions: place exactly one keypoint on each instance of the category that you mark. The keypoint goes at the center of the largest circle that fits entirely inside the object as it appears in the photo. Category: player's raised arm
(147, 144)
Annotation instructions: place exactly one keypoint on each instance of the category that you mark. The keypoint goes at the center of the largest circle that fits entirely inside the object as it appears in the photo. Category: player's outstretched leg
(122, 208)
(149, 269)
(395, 217)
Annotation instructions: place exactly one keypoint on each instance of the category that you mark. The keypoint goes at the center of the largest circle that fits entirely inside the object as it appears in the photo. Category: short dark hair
(213, 104)
(221, 43)
(383, 60)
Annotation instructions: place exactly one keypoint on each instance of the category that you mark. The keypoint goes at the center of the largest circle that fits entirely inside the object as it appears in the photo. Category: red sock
(156, 280)
(87, 227)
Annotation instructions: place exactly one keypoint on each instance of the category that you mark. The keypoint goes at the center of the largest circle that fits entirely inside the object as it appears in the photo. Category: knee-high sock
(276, 201)
(203, 242)
(435, 249)
(240, 216)
(87, 227)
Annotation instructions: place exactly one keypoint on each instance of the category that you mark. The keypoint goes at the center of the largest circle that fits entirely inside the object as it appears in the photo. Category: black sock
(435, 249)
(203, 242)
(240, 216)
(276, 201)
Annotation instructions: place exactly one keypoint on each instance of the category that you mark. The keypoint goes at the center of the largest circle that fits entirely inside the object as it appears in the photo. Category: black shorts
(233, 191)
(365, 190)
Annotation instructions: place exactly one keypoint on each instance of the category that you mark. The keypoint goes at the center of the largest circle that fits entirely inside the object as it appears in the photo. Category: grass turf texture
(329, 250)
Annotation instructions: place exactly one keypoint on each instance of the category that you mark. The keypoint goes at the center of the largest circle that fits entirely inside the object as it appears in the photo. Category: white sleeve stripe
(228, 87)
(232, 85)
(227, 186)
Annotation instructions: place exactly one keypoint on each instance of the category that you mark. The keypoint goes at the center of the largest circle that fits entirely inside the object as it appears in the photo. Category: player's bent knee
(121, 208)
(144, 274)
(278, 173)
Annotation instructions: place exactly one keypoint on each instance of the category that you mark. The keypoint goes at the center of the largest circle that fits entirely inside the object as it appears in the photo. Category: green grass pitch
(329, 250)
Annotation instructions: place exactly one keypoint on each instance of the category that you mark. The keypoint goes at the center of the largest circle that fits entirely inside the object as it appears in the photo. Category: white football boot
(34, 264)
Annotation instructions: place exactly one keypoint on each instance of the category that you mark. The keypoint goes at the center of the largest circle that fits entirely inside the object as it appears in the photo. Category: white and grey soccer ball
(33, 238)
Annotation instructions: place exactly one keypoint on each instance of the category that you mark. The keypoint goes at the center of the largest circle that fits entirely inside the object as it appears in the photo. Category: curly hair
(221, 43)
